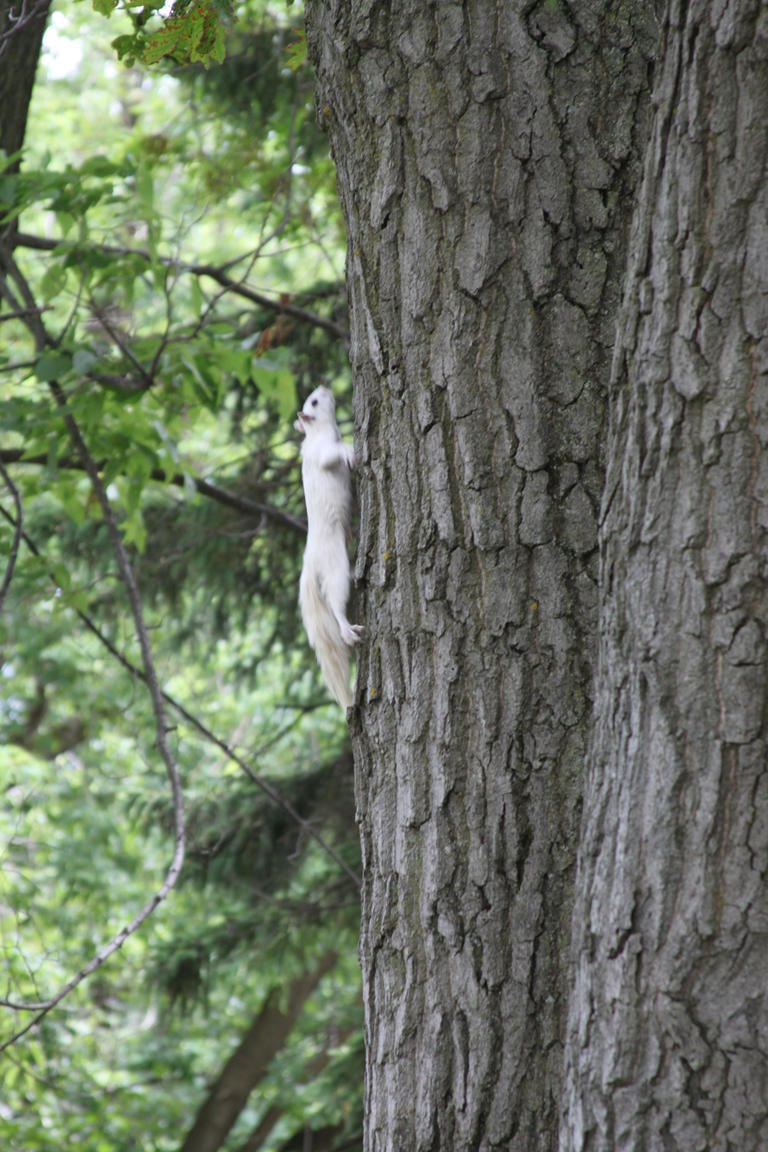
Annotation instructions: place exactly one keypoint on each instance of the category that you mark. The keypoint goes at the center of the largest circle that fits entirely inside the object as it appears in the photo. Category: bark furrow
(487, 155)
(668, 1035)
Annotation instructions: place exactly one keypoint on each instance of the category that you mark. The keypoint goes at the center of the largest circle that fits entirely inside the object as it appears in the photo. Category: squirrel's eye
(314, 403)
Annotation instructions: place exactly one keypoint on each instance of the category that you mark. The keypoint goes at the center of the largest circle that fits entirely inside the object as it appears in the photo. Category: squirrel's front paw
(352, 634)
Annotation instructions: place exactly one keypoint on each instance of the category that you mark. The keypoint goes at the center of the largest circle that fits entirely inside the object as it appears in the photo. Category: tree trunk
(21, 39)
(250, 1061)
(20, 43)
(668, 1034)
(487, 155)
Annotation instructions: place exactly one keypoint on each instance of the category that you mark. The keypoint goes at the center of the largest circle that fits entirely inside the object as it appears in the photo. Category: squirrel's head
(319, 411)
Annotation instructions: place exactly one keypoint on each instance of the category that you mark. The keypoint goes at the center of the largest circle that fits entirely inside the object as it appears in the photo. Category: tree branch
(21, 37)
(43, 244)
(18, 529)
(41, 1009)
(22, 314)
(268, 789)
(116, 337)
(205, 488)
(321, 1140)
(270, 1118)
(27, 13)
(249, 1062)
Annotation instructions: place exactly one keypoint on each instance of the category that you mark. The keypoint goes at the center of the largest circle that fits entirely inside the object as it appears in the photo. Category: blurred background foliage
(178, 230)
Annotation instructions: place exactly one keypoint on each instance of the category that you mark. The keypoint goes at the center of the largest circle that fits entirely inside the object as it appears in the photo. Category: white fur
(325, 575)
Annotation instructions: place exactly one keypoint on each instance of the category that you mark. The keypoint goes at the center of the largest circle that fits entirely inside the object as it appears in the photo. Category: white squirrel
(325, 573)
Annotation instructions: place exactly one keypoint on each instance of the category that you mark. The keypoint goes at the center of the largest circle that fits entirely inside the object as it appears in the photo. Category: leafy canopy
(177, 275)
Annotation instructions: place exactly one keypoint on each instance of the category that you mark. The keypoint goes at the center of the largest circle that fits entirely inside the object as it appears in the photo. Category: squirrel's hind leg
(337, 592)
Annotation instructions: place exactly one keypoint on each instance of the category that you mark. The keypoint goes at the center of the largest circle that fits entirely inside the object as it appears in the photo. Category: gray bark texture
(487, 155)
(668, 1033)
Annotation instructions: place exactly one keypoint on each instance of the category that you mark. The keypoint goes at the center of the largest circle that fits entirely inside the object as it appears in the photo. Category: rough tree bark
(668, 1035)
(21, 36)
(487, 156)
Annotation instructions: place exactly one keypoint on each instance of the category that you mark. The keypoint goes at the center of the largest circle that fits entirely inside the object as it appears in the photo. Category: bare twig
(25, 301)
(124, 384)
(42, 1008)
(21, 314)
(164, 339)
(18, 529)
(269, 790)
(33, 319)
(25, 240)
(213, 492)
(223, 497)
(10, 297)
(27, 13)
(18, 366)
(117, 338)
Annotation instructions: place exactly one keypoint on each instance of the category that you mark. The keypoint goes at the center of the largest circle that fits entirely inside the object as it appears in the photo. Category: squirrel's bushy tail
(325, 637)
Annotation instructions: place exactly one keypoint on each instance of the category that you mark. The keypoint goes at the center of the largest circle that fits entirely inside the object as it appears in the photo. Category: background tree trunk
(21, 37)
(250, 1061)
(668, 1035)
(487, 155)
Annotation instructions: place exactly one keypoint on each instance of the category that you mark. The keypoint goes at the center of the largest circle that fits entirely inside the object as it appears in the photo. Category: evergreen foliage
(172, 278)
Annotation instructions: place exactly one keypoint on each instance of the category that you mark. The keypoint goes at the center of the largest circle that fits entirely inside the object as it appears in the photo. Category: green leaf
(169, 441)
(134, 530)
(112, 469)
(145, 187)
(127, 48)
(296, 52)
(89, 406)
(76, 598)
(8, 187)
(52, 366)
(83, 360)
(60, 574)
(233, 359)
(191, 32)
(8, 158)
(105, 7)
(195, 168)
(72, 500)
(277, 384)
(163, 42)
(219, 48)
(53, 281)
(99, 166)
